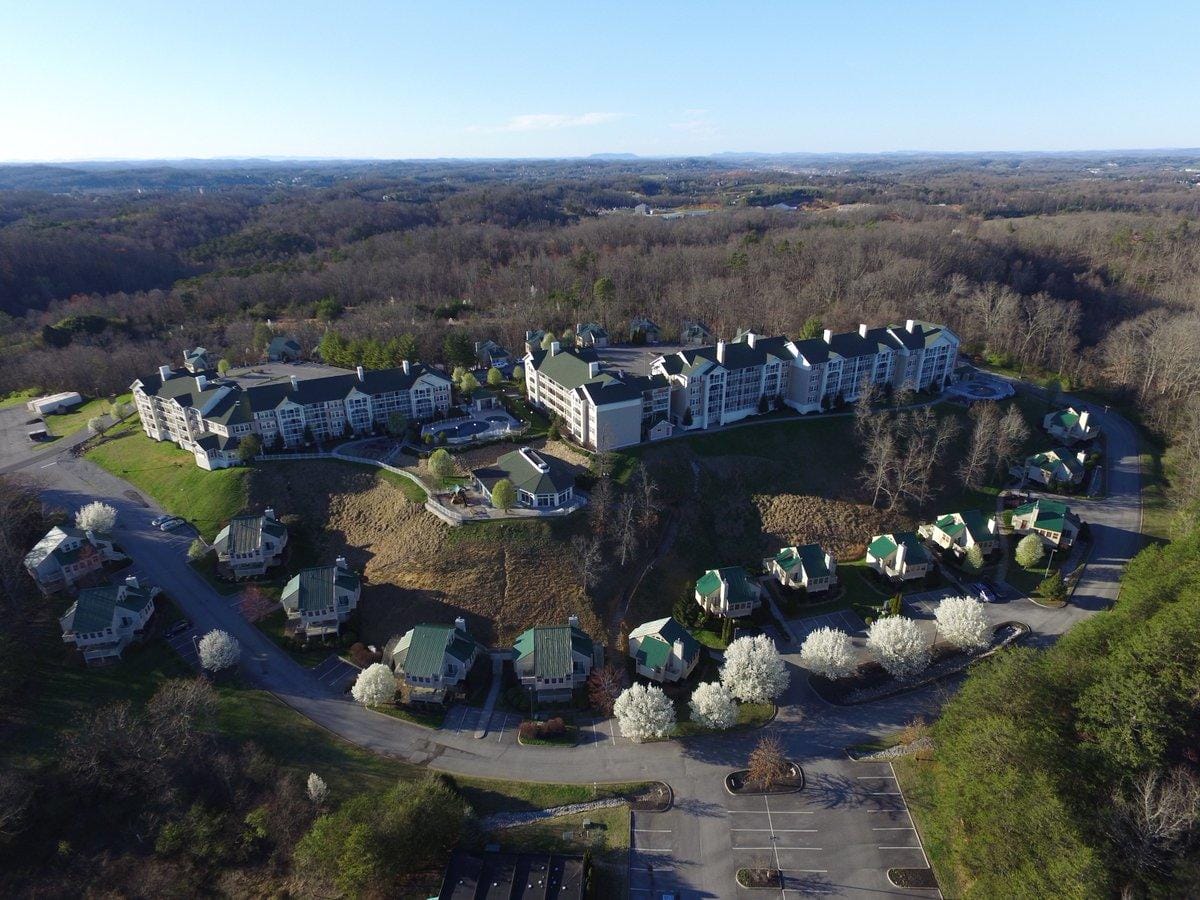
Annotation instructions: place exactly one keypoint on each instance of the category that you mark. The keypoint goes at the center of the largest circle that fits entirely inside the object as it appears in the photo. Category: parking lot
(842, 619)
(501, 728)
(335, 673)
(656, 863)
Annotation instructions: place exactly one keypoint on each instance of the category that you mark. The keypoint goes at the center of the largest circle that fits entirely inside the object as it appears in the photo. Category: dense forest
(1080, 269)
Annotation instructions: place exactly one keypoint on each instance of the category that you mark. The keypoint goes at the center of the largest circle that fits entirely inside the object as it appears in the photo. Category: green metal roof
(659, 637)
(525, 474)
(1052, 515)
(316, 588)
(94, 608)
(552, 647)
(886, 544)
(882, 547)
(740, 587)
(1066, 418)
(567, 368)
(810, 556)
(426, 648)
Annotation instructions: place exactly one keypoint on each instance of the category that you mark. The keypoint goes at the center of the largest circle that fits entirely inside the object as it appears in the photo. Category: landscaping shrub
(555, 727)
(528, 730)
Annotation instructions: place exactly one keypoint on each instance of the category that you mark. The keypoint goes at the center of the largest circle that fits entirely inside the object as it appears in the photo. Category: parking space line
(778, 848)
(869, 777)
(899, 848)
(652, 831)
(778, 830)
(649, 850)
(883, 794)
(895, 828)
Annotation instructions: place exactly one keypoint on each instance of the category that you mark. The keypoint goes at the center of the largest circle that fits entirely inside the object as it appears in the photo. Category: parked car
(178, 628)
(986, 594)
(172, 523)
(158, 520)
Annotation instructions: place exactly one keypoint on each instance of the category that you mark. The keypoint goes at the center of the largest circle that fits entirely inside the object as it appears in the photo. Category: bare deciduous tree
(768, 764)
(1154, 815)
(586, 550)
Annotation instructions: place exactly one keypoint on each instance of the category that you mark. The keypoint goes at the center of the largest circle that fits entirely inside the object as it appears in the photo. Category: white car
(172, 523)
(158, 520)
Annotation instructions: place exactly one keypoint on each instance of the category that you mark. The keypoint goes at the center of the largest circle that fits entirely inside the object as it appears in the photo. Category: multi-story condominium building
(602, 410)
(551, 661)
(319, 599)
(208, 415)
(249, 545)
(433, 662)
(104, 620)
(710, 386)
(66, 555)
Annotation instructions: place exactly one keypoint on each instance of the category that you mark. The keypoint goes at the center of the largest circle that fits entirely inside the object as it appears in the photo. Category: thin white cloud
(549, 122)
(695, 122)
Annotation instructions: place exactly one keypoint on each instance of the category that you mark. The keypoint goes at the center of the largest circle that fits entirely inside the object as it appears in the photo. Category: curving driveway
(837, 837)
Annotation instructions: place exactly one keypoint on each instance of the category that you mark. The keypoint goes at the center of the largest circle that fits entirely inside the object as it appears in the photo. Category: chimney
(1083, 420)
(341, 563)
(677, 648)
(362, 375)
(909, 325)
(164, 372)
(752, 339)
(901, 549)
(295, 383)
(269, 512)
(828, 335)
(573, 621)
(593, 369)
(201, 382)
(132, 582)
(578, 327)
(404, 364)
(554, 348)
(721, 352)
(862, 329)
(460, 623)
(478, 344)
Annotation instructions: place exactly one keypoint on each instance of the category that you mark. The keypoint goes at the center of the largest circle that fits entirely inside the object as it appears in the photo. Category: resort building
(492, 355)
(696, 334)
(208, 415)
(552, 661)
(103, 621)
(1051, 520)
(590, 334)
(729, 592)
(433, 662)
(284, 349)
(663, 650)
(541, 481)
(318, 600)
(66, 555)
(1057, 466)
(711, 386)
(806, 567)
(898, 556)
(1070, 425)
(249, 545)
(644, 331)
(961, 531)
(197, 361)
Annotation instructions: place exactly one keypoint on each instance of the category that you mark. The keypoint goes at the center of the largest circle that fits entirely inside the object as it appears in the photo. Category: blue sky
(373, 79)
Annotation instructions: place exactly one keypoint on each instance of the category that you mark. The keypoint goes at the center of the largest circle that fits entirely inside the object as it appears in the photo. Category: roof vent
(460, 623)
(341, 563)
(269, 512)
(534, 460)
(573, 621)
(862, 329)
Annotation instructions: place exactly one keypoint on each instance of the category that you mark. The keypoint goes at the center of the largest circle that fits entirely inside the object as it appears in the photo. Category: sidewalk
(485, 717)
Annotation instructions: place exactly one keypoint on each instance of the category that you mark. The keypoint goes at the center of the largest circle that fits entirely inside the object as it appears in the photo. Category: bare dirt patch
(503, 578)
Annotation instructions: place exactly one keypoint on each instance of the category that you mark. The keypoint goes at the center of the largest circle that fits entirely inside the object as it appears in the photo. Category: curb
(790, 790)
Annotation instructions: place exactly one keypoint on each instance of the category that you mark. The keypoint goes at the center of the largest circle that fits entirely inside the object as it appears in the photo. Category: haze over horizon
(136, 81)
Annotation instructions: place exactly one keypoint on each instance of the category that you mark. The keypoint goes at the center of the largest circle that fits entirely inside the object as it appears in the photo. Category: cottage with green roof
(663, 650)
(590, 334)
(1070, 425)
(249, 545)
(103, 621)
(66, 555)
(541, 481)
(552, 661)
(807, 566)
(960, 531)
(433, 662)
(729, 592)
(1051, 520)
(1057, 466)
(319, 599)
(284, 349)
(899, 556)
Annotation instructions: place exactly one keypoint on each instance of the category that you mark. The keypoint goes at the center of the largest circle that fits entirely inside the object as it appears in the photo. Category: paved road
(855, 824)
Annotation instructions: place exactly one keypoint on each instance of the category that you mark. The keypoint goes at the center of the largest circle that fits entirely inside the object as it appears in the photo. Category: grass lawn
(413, 491)
(750, 715)
(566, 834)
(709, 638)
(18, 398)
(1027, 581)
(916, 778)
(569, 738)
(310, 655)
(170, 475)
(63, 424)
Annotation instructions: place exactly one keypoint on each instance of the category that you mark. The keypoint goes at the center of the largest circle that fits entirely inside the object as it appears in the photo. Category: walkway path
(485, 717)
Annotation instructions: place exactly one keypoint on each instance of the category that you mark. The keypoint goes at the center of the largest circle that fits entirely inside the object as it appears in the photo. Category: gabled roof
(316, 588)
(884, 545)
(279, 344)
(971, 521)
(738, 355)
(426, 647)
(810, 556)
(95, 607)
(592, 328)
(1051, 515)
(244, 534)
(553, 647)
(51, 544)
(924, 334)
(740, 587)
(1049, 459)
(531, 471)
(1064, 418)
(658, 640)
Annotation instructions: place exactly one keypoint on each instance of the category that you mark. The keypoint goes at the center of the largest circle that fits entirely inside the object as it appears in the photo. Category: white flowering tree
(754, 671)
(375, 685)
(96, 516)
(1030, 551)
(644, 712)
(899, 645)
(713, 706)
(961, 621)
(219, 650)
(828, 652)
(318, 790)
